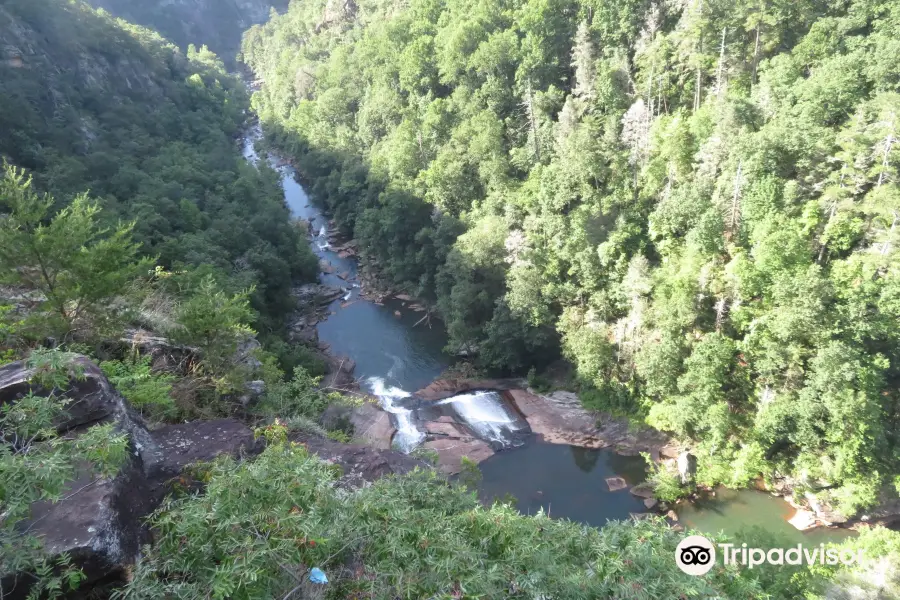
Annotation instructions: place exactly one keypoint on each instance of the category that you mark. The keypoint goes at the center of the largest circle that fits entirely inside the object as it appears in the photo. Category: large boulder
(315, 295)
(560, 418)
(177, 446)
(372, 425)
(339, 373)
(95, 401)
(99, 522)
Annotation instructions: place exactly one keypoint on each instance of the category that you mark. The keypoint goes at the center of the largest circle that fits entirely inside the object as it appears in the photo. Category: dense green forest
(215, 23)
(94, 104)
(692, 204)
(695, 202)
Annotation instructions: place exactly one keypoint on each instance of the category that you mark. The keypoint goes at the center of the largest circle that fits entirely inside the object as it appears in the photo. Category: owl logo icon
(695, 555)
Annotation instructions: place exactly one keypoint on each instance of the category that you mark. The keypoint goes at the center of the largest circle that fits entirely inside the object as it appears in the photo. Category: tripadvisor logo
(696, 555)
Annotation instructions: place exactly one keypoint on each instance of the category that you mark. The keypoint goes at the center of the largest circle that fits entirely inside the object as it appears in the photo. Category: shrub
(666, 483)
(291, 356)
(36, 464)
(149, 392)
(260, 526)
(299, 397)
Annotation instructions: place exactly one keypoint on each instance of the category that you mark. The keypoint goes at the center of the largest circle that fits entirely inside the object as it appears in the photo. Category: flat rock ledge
(453, 441)
(559, 418)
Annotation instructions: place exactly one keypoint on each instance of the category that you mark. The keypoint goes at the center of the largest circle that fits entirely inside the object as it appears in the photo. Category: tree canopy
(99, 105)
(694, 202)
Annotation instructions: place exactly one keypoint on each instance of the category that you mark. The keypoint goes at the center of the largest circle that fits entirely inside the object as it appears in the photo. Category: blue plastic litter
(316, 575)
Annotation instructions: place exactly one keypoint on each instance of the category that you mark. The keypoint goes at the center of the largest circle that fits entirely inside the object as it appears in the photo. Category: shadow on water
(383, 345)
(735, 511)
(565, 481)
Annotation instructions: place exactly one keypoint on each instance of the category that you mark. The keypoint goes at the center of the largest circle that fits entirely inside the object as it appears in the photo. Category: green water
(733, 511)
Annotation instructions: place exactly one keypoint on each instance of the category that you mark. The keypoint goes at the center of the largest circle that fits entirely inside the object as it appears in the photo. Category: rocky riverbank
(99, 522)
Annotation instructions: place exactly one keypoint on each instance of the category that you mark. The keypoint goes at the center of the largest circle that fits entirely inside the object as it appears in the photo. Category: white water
(408, 435)
(486, 415)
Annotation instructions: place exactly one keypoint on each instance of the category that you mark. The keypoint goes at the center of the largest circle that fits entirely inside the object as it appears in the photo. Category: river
(394, 356)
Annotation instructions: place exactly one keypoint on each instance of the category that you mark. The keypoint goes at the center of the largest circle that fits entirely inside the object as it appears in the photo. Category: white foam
(408, 435)
(487, 415)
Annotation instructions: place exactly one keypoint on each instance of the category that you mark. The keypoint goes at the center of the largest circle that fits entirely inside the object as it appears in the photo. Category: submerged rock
(616, 483)
(642, 490)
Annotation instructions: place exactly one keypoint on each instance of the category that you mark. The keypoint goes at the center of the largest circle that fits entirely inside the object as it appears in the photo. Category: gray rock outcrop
(99, 521)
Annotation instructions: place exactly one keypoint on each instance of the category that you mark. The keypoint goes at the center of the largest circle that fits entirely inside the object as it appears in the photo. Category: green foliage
(697, 203)
(299, 397)
(147, 391)
(216, 323)
(291, 356)
(538, 382)
(429, 455)
(261, 525)
(666, 482)
(78, 267)
(150, 130)
(469, 474)
(36, 463)
(10, 332)
(879, 574)
(53, 368)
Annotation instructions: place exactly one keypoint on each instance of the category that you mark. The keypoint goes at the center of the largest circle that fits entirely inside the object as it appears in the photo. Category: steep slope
(697, 202)
(216, 23)
(92, 103)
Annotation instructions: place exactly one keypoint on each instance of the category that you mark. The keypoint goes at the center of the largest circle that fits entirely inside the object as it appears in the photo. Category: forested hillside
(215, 23)
(694, 201)
(93, 104)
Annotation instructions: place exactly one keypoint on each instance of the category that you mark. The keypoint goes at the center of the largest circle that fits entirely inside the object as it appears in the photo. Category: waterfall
(487, 416)
(484, 413)
(408, 435)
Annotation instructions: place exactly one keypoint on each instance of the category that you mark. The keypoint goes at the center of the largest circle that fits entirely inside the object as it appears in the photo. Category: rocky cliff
(218, 24)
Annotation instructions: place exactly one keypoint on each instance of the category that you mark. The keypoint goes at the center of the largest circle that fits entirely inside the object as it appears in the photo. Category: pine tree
(77, 267)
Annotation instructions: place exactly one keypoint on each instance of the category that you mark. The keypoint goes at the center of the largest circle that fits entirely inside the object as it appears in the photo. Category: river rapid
(395, 354)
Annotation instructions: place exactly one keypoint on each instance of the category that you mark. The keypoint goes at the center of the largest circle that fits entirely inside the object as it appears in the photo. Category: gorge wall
(216, 23)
